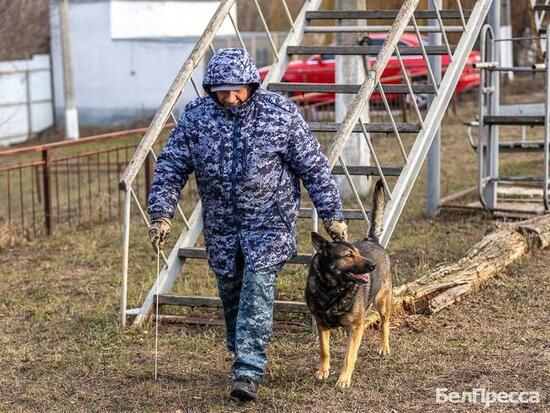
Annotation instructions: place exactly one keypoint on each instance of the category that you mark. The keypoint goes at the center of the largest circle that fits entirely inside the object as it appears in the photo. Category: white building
(125, 55)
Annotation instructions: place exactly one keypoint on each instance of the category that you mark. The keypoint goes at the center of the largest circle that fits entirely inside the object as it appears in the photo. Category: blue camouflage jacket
(247, 161)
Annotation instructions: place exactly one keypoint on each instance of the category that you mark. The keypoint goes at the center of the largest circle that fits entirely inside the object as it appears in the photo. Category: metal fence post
(47, 191)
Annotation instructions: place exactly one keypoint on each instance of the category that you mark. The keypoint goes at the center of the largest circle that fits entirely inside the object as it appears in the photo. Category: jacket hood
(231, 66)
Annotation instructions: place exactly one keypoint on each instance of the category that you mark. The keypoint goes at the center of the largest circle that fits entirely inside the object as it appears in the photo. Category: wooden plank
(366, 170)
(212, 321)
(519, 146)
(370, 127)
(514, 120)
(200, 253)
(365, 50)
(214, 302)
(390, 88)
(381, 14)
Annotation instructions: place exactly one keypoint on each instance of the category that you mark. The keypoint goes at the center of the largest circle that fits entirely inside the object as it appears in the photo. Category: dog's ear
(319, 243)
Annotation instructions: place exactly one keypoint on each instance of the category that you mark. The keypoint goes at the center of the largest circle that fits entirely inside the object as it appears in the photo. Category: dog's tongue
(362, 277)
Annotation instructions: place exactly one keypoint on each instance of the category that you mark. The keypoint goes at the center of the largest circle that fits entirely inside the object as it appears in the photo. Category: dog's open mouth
(358, 278)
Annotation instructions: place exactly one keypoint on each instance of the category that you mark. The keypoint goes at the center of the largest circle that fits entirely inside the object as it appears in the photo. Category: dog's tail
(375, 230)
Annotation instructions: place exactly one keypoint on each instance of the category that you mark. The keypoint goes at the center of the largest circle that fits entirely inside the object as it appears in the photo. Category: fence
(64, 184)
(26, 103)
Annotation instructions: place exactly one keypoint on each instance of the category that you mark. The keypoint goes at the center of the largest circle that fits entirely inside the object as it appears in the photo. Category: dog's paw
(344, 381)
(384, 351)
(321, 374)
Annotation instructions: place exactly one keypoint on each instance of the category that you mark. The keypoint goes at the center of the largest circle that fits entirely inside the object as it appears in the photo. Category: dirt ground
(60, 349)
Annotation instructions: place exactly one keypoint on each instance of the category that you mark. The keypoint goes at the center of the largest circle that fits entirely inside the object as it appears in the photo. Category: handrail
(371, 80)
(162, 114)
(81, 141)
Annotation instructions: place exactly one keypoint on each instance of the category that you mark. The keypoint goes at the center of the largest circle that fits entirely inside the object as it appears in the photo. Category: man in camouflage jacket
(248, 157)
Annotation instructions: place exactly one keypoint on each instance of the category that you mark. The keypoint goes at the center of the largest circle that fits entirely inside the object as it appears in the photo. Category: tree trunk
(449, 283)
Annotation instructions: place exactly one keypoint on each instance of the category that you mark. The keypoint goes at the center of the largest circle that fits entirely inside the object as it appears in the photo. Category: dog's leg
(324, 363)
(383, 304)
(355, 335)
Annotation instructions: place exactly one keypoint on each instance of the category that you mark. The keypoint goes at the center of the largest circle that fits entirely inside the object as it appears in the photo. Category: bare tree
(24, 28)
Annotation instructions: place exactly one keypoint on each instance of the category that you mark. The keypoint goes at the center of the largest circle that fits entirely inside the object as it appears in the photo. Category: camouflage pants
(247, 300)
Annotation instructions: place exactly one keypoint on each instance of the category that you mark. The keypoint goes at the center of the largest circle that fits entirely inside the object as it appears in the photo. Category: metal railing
(63, 184)
(488, 139)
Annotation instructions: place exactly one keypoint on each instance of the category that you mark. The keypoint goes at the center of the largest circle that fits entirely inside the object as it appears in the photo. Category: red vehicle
(320, 69)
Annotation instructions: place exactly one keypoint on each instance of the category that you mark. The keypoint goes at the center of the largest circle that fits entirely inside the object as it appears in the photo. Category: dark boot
(244, 389)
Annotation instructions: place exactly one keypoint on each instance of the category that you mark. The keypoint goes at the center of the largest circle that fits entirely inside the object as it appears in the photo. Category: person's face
(232, 98)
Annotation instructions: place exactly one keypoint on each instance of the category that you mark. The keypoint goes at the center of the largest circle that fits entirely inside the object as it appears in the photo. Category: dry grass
(60, 348)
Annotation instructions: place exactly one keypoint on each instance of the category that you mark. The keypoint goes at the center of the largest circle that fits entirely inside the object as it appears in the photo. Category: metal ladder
(492, 115)
(398, 180)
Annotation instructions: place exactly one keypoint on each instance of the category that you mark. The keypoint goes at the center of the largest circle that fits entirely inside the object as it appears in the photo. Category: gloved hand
(337, 230)
(159, 231)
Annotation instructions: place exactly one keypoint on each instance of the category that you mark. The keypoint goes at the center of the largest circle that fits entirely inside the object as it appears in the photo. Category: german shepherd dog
(344, 279)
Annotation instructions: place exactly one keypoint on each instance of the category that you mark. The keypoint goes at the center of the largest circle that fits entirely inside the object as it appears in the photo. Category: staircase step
(396, 88)
(200, 253)
(520, 146)
(380, 29)
(366, 170)
(351, 214)
(364, 50)
(517, 179)
(214, 302)
(381, 14)
(514, 120)
(370, 127)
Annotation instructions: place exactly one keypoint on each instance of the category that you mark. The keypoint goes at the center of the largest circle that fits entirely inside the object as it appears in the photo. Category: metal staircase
(398, 179)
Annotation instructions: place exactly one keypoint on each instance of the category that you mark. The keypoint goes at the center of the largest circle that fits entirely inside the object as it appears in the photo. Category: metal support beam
(125, 251)
(491, 189)
(434, 154)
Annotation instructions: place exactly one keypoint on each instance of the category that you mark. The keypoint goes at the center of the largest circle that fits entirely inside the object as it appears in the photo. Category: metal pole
(125, 250)
(47, 191)
(29, 103)
(71, 114)
(491, 188)
(434, 154)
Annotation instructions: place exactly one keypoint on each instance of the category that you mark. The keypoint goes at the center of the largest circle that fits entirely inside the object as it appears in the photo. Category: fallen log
(449, 283)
